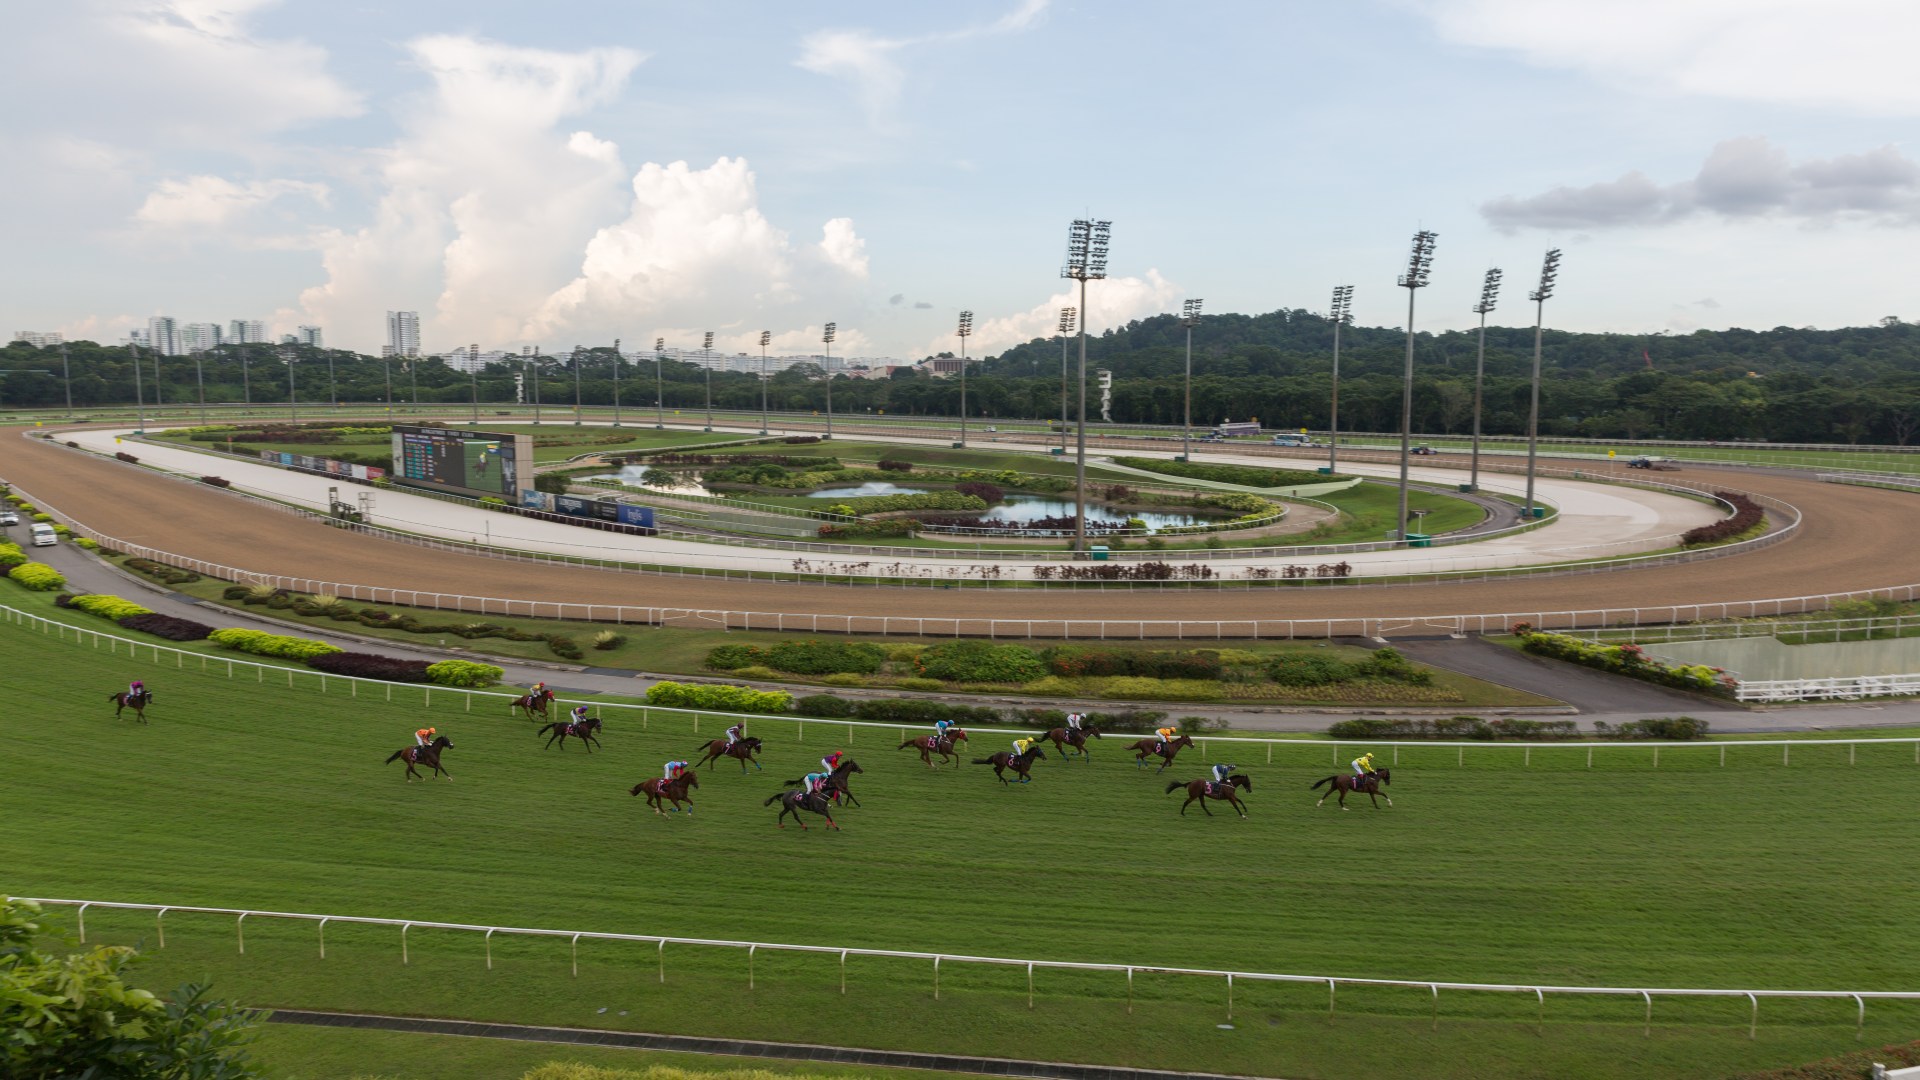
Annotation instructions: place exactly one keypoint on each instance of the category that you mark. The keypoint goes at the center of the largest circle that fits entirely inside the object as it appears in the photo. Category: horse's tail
(774, 798)
(1175, 785)
(1328, 780)
(395, 756)
(908, 743)
(983, 761)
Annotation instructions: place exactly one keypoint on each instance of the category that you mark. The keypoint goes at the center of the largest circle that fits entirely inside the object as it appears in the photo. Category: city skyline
(583, 175)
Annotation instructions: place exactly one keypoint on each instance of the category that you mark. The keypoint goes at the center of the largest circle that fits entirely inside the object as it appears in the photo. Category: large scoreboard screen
(462, 461)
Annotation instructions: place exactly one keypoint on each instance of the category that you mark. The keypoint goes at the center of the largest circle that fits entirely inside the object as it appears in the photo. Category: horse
(1369, 786)
(1073, 738)
(1207, 789)
(531, 703)
(428, 755)
(928, 745)
(1019, 763)
(137, 702)
(792, 802)
(579, 729)
(1145, 748)
(673, 791)
(743, 749)
(837, 782)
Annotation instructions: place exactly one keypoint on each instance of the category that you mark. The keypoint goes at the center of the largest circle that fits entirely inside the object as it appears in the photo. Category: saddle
(1217, 789)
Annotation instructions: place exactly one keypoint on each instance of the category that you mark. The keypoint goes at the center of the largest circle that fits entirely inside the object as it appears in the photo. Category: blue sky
(569, 172)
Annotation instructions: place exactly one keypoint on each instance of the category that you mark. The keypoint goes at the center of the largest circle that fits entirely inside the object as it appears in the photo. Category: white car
(8, 517)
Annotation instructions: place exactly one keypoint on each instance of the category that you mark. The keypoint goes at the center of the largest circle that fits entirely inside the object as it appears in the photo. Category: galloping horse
(137, 702)
(792, 802)
(579, 729)
(1145, 748)
(836, 788)
(1019, 763)
(1369, 786)
(1065, 739)
(531, 703)
(1207, 789)
(928, 745)
(673, 791)
(428, 756)
(743, 750)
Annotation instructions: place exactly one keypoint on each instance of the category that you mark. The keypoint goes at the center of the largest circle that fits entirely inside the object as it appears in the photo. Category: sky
(576, 171)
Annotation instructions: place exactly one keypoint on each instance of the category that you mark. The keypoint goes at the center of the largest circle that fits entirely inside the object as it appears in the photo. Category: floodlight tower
(826, 338)
(706, 361)
(766, 337)
(536, 384)
(1549, 270)
(964, 332)
(659, 382)
(1419, 264)
(1489, 294)
(473, 377)
(616, 382)
(1189, 318)
(1342, 315)
(1068, 315)
(575, 361)
(293, 391)
(66, 377)
(199, 379)
(139, 395)
(1086, 261)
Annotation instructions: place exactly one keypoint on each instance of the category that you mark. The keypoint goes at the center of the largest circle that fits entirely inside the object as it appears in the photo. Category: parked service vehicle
(43, 535)
(1425, 451)
(1659, 463)
(1284, 439)
(9, 517)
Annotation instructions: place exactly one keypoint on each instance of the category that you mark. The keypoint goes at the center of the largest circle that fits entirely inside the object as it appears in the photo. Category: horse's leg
(1203, 802)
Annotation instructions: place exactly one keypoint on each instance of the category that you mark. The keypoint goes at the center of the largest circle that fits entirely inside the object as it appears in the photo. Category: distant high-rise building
(308, 335)
(246, 332)
(163, 335)
(403, 332)
(38, 339)
(289, 339)
(200, 336)
(137, 336)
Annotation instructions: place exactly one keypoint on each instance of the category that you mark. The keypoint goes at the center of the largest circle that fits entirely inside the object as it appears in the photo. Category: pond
(871, 487)
(686, 483)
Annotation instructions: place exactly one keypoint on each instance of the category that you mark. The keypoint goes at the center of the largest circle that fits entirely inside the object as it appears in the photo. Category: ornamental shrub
(917, 711)
(979, 489)
(38, 576)
(1677, 728)
(1307, 669)
(738, 699)
(464, 673)
(108, 607)
(372, 666)
(11, 556)
(845, 678)
(261, 643)
(1629, 660)
(823, 705)
(43, 518)
(564, 647)
(1145, 689)
(924, 684)
(728, 657)
(216, 481)
(894, 465)
(1387, 663)
(126, 457)
(1747, 515)
(816, 656)
(980, 661)
(167, 626)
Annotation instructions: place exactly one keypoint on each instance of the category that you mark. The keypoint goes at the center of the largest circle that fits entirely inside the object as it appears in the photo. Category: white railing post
(576, 956)
(936, 978)
(323, 939)
(489, 945)
(240, 933)
(404, 961)
(160, 926)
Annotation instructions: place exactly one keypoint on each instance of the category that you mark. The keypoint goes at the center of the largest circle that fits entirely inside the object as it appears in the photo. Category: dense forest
(1858, 384)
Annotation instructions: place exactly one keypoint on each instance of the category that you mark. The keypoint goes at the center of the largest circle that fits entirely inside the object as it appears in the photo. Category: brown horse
(428, 755)
(1207, 789)
(137, 702)
(579, 729)
(1146, 748)
(743, 750)
(792, 802)
(1019, 763)
(837, 788)
(530, 704)
(1369, 786)
(1065, 739)
(929, 745)
(673, 791)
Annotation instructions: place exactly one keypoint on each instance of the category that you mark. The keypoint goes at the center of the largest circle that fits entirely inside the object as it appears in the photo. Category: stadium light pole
(964, 332)
(1342, 315)
(766, 338)
(575, 360)
(1419, 264)
(1189, 318)
(246, 379)
(413, 380)
(473, 377)
(1489, 295)
(536, 384)
(139, 395)
(1068, 316)
(293, 391)
(66, 377)
(1549, 270)
(616, 382)
(659, 383)
(333, 388)
(199, 380)
(706, 361)
(386, 364)
(826, 338)
(1086, 261)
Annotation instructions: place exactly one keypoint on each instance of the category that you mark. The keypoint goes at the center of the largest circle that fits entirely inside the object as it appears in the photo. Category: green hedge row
(38, 576)
(737, 699)
(261, 643)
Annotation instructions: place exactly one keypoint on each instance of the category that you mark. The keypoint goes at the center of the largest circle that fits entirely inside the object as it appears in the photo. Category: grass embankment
(245, 795)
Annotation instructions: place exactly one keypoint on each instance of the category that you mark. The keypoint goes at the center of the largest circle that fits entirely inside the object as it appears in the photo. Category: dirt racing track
(1849, 540)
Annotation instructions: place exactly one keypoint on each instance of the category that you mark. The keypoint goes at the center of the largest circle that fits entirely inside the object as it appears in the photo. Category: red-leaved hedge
(1746, 515)
(371, 666)
(167, 626)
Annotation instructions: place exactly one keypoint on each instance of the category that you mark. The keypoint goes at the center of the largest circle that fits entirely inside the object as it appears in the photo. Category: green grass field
(240, 794)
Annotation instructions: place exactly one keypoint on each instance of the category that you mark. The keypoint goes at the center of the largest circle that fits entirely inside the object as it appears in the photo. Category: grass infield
(240, 794)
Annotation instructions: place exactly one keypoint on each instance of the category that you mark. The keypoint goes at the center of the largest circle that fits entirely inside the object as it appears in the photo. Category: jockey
(940, 730)
(1021, 746)
(423, 737)
(1073, 721)
(815, 782)
(832, 761)
(539, 691)
(1363, 766)
(736, 733)
(136, 689)
(1167, 735)
(579, 714)
(674, 769)
(1220, 773)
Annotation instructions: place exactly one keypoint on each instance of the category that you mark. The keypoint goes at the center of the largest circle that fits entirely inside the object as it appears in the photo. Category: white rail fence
(1838, 688)
(719, 720)
(1332, 983)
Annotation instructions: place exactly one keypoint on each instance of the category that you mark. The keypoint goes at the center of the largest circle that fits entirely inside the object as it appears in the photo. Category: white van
(43, 534)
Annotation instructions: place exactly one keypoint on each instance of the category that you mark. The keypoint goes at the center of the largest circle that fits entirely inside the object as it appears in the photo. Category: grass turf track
(244, 795)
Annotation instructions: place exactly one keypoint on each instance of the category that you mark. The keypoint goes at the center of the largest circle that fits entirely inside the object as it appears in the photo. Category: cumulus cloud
(1846, 54)
(844, 249)
(1110, 303)
(213, 202)
(1741, 178)
(871, 62)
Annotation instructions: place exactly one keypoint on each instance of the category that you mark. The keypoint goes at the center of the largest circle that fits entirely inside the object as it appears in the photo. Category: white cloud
(1847, 54)
(843, 248)
(1110, 303)
(213, 202)
(872, 63)
(1741, 178)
